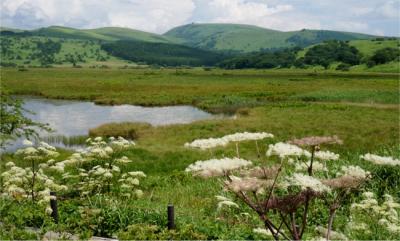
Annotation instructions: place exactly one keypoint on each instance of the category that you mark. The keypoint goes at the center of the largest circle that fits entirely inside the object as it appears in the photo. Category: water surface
(74, 118)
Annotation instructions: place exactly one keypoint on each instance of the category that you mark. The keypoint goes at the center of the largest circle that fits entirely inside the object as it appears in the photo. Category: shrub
(343, 67)
(129, 130)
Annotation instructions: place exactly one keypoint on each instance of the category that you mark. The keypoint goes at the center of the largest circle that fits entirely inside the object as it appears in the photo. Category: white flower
(223, 141)
(368, 195)
(108, 174)
(207, 143)
(380, 160)
(123, 160)
(354, 171)
(247, 136)
(284, 150)
(27, 143)
(262, 231)
(222, 198)
(137, 174)
(216, 167)
(10, 164)
(138, 193)
(115, 168)
(305, 181)
(227, 203)
(49, 210)
(108, 149)
(326, 156)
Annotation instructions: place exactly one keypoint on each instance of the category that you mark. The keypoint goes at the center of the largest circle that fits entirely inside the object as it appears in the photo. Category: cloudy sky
(367, 16)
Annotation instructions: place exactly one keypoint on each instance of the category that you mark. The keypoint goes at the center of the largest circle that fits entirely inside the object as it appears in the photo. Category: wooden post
(53, 205)
(171, 217)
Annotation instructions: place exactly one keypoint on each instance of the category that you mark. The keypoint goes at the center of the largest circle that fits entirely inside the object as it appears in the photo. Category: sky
(379, 17)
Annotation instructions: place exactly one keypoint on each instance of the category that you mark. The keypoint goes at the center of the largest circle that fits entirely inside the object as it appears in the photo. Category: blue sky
(380, 17)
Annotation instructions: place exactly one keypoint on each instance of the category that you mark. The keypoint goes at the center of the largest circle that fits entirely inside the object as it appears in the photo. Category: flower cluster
(24, 183)
(326, 156)
(307, 182)
(386, 213)
(380, 160)
(129, 183)
(223, 141)
(41, 152)
(224, 201)
(353, 171)
(317, 166)
(216, 167)
(284, 150)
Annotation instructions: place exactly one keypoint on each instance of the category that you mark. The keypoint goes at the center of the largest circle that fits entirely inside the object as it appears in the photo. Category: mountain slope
(247, 38)
(104, 34)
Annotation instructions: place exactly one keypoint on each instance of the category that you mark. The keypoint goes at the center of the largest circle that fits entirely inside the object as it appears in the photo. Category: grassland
(215, 90)
(361, 108)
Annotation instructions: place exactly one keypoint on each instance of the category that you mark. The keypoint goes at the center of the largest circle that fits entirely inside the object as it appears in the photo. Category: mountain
(248, 38)
(192, 44)
(111, 46)
(103, 34)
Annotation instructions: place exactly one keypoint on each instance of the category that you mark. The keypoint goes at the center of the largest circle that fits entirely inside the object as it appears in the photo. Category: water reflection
(75, 118)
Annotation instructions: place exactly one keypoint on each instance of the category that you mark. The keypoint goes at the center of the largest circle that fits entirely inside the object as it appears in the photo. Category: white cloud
(389, 9)
(149, 15)
(351, 26)
(368, 16)
(278, 16)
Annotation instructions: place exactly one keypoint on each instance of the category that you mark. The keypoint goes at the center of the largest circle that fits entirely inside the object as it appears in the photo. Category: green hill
(103, 34)
(247, 38)
(187, 45)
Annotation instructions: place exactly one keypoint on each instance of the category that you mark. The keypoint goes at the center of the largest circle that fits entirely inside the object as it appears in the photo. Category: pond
(70, 118)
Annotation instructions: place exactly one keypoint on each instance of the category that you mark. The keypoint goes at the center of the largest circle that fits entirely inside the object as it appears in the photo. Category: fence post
(53, 205)
(171, 217)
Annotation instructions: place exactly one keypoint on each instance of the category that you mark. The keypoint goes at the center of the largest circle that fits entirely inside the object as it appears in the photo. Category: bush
(343, 67)
(127, 130)
(384, 55)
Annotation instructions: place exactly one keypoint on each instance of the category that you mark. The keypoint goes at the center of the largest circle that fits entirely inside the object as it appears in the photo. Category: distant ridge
(248, 38)
(208, 36)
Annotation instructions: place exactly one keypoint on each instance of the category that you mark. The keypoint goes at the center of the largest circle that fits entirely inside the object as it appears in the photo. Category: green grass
(360, 108)
(216, 90)
(368, 47)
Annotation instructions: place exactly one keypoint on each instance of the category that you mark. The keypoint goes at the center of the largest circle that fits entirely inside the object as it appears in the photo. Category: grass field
(361, 108)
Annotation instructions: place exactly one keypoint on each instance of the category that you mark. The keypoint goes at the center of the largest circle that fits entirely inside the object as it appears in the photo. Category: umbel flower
(216, 167)
(224, 201)
(284, 150)
(381, 160)
(307, 182)
(32, 182)
(386, 213)
(208, 143)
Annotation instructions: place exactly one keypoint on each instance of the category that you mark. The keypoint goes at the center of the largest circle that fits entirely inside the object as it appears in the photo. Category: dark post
(171, 221)
(53, 205)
